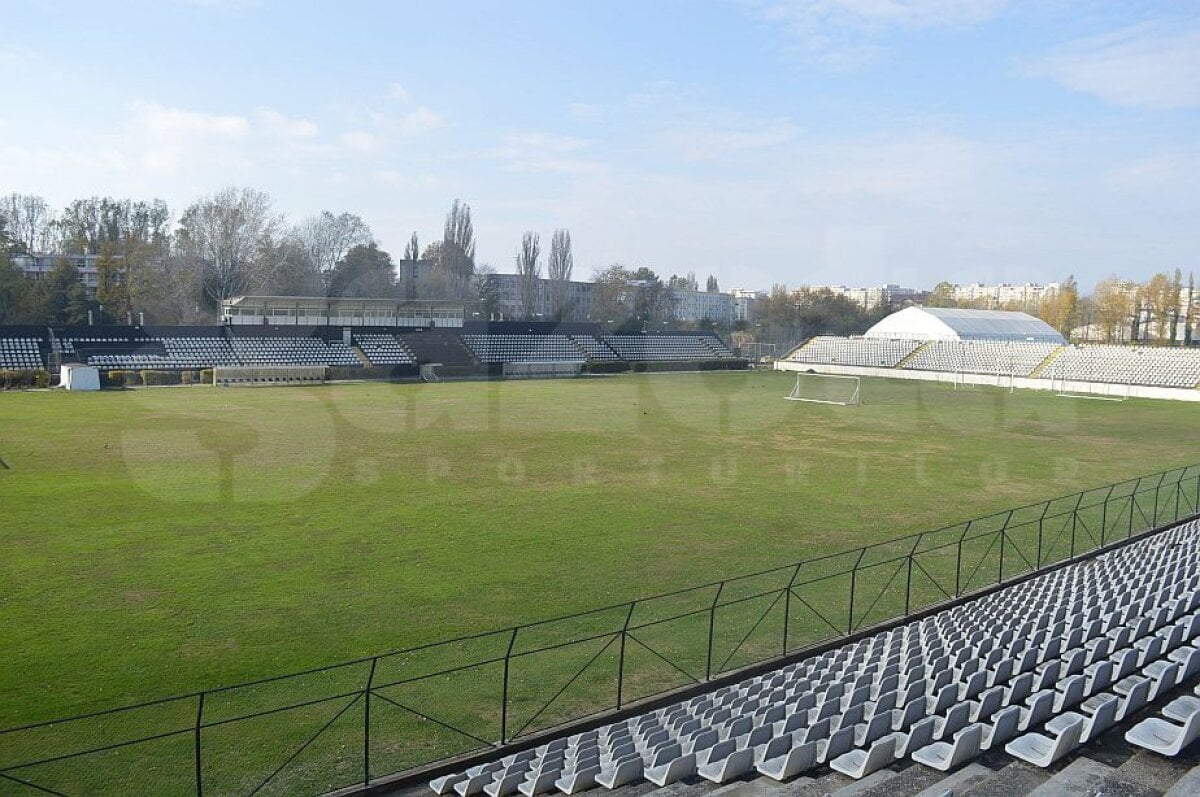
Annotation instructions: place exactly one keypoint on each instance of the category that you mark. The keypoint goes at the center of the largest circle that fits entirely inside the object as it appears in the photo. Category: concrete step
(1152, 772)
(1081, 777)
(1017, 777)
(868, 786)
(957, 782)
(1188, 785)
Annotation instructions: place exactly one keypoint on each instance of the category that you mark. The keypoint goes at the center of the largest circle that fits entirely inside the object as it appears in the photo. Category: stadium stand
(292, 351)
(523, 348)
(1035, 670)
(21, 353)
(980, 357)
(593, 348)
(1132, 365)
(384, 349)
(663, 347)
(869, 352)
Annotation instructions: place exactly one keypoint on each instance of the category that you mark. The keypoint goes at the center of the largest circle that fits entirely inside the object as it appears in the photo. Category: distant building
(743, 303)
(990, 297)
(339, 311)
(38, 265)
(870, 298)
(694, 306)
(506, 289)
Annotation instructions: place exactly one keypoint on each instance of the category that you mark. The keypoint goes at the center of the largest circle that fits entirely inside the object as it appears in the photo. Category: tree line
(155, 267)
(1117, 310)
(178, 271)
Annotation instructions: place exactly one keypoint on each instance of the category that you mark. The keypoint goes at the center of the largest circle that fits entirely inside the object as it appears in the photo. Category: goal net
(827, 389)
(1103, 391)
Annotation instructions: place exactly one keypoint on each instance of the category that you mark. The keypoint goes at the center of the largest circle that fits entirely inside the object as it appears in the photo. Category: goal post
(840, 389)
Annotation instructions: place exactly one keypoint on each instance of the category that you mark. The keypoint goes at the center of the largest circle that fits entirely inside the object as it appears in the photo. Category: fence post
(1041, 529)
(1104, 513)
(1178, 490)
(1003, 539)
(512, 640)
(853, 585)
(787, 604)
(621, 658)
(1074, 519)
(908, 579)
(367, 723)
(1157, 489)
(958, 561)
(196, 742)
(712, 623)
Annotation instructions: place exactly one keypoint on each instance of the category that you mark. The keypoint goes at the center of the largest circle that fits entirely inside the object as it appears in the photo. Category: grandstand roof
(946, 323)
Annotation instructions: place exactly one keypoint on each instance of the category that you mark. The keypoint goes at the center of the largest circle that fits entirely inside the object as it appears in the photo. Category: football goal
(837, 389)
(1111, 391)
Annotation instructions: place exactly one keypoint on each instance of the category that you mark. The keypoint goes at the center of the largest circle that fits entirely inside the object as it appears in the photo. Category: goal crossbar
(853, 400)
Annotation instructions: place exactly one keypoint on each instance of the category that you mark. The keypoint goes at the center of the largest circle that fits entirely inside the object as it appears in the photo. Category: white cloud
(536, 151)
(585, 112)
(696, 142)
(274, 122)
(845, 34)
(160, 120)
(421, 120)
(397, 92)
(359, 141)
(1144, 66)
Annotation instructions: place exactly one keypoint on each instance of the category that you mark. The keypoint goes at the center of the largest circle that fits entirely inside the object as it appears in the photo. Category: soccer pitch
(165, 540)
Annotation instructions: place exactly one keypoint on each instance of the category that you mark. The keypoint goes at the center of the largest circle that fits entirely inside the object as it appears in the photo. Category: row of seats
(1018, 358)
(1132, 365)
(665, 347)
(1036, 669)
(292, 351)
(594, 349)
(383, 349)
(865, 352)
(524, 348)
(20, 353)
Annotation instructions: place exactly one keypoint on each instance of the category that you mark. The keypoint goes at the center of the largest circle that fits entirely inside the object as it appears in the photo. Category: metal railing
(352, 723)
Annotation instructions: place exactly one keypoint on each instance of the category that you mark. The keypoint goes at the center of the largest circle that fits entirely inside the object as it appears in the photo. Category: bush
(206, 376)
(12, 379)
(152, 378)
(116, 378)
(188, 377)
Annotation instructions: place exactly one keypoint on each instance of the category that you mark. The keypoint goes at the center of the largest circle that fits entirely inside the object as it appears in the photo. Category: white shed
(80, 377)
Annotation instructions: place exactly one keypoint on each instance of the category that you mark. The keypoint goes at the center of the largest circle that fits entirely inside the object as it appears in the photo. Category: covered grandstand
(993, 347)
(954, 324)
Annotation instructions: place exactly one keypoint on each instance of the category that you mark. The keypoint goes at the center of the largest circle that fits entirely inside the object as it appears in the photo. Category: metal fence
(351, 723)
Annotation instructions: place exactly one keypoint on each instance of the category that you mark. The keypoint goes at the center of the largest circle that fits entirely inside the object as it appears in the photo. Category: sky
(810, 142)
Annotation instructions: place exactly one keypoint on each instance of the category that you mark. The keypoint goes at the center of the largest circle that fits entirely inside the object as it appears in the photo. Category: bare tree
(412, 249)
(327, 238)
(227, 240)
(530, 271)
(458, 248)
(30, 221)
(559, 268)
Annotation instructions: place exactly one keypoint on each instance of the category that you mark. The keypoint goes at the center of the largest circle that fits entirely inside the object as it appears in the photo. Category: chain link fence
(352, 723)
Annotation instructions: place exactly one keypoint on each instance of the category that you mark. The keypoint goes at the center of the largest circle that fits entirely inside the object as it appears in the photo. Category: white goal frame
(1059, 385)
(854, 400)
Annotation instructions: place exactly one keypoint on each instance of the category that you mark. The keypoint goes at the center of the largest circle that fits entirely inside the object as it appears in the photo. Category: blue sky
(795, 141)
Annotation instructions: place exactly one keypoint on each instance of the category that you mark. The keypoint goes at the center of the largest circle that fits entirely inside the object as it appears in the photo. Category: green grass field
(165, 540)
